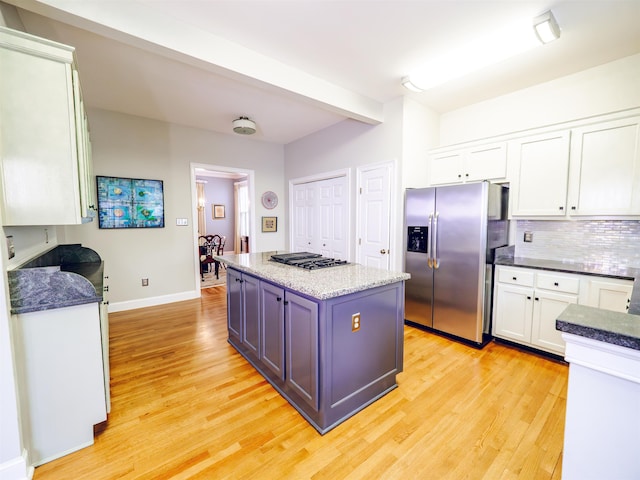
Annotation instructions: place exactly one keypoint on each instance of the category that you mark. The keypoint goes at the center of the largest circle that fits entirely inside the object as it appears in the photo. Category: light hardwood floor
(186, 405)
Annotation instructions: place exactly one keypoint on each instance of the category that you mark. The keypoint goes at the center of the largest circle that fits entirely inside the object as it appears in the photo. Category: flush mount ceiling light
(482, 52)
(546, 27)
(244, 126)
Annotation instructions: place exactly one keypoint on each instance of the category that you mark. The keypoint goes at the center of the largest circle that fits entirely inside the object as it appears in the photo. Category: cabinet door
(272, 328)
(486, 162)
(39, 172)
(547, 307)
(513, 311)
(540, 174)
(605, 169)
(301, 347)
(446, 168)
(235, 305)
(610, 294)
(251, 326)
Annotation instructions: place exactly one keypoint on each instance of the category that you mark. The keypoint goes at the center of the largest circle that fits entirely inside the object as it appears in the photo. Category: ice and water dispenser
(417, 239)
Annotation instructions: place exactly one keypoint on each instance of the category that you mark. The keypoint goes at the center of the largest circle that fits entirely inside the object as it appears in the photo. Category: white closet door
(304, 198)
(332, 219)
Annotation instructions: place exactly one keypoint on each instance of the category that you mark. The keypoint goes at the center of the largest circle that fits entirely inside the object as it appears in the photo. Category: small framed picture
(269, 224)
(218, 211)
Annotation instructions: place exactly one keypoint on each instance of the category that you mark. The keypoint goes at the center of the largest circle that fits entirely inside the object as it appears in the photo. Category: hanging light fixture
(244, 126)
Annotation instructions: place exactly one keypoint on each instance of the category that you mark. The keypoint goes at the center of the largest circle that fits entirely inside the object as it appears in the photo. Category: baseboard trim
(153, 301)
(16, 468)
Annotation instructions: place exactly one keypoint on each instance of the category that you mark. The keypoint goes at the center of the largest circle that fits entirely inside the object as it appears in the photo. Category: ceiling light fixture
(546, 27)
(498, 46)
(244, 126)
(406, 83)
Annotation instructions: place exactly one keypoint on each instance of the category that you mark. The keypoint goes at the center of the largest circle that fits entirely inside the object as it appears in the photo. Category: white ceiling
(298, 66)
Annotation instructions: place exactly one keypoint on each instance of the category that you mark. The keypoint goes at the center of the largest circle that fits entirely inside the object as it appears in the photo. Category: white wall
(607, 88)
(407, 132)
(129, 146)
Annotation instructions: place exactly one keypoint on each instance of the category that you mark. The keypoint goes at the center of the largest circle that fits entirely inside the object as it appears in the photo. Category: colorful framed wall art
(130, 202)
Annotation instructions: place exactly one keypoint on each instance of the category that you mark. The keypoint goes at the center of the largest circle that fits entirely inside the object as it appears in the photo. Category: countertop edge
(326, 294)
(622, 329)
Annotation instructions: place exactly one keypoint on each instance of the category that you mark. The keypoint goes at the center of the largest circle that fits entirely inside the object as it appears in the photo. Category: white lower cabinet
(528, 301)
(527, 304)
(609, 294)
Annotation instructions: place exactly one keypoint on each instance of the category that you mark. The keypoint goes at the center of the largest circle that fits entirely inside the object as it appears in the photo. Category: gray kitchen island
(330, 341)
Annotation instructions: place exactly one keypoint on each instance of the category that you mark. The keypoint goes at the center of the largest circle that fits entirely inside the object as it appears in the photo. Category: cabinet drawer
(558, 283)
(515, 276)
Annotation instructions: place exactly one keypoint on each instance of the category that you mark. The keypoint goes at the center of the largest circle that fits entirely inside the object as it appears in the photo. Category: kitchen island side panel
(351, 369)
(359, 364)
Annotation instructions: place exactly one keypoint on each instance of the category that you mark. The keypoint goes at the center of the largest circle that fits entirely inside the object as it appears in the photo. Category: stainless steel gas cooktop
(306, 260)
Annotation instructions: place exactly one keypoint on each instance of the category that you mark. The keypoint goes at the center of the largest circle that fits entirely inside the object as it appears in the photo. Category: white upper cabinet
(585, 171)
(605, 169)
(44, 147)
(470, 164)
(539, 173)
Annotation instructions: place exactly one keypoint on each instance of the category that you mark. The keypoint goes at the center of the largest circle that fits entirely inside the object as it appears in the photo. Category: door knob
(383, 251)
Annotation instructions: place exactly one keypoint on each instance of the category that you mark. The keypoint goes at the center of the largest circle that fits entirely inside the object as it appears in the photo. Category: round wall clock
(269, 200)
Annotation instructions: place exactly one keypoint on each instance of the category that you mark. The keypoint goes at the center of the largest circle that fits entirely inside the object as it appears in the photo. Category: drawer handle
(286, 302)
(561, 208)
(537, 299)
(515, 278)
(556, 284)
(528, 297)
(278, 299)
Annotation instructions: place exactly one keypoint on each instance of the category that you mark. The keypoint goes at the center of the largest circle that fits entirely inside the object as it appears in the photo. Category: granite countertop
(65, 276)
(616, 328)
(504, 256)
(321, 284)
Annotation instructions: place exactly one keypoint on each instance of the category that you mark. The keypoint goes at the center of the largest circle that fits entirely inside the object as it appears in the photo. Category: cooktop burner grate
(306, 260)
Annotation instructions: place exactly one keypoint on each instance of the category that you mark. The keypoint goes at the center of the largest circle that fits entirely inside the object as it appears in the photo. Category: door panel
(374, 216)
(419, 204)
(460, 244)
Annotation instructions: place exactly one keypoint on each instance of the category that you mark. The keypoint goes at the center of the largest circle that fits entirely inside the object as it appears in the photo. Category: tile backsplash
(610, 243)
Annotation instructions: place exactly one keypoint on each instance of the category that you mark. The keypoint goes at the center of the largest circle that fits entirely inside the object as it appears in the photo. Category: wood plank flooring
(185, 405)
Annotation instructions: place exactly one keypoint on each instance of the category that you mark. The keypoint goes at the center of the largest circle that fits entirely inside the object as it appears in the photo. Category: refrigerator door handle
(429, 230)
(435, 262)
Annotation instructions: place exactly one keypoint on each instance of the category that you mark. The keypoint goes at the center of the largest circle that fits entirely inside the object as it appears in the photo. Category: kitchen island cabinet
(330, 340)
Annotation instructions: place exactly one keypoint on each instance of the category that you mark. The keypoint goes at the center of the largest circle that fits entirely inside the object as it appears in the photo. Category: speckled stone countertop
(504, 256)
(321, 284)
(616, 328)
(65, 276)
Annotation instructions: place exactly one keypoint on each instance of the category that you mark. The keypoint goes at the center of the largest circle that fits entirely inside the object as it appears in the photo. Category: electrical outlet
(528, 237)
(145, 282)
(355, 322)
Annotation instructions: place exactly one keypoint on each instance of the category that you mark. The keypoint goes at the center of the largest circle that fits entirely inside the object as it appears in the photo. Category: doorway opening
(223, 218)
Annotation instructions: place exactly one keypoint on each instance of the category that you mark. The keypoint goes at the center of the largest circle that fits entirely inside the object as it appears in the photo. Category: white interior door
(374, 222)
(319, 217)
(332, 207)
(304, 199)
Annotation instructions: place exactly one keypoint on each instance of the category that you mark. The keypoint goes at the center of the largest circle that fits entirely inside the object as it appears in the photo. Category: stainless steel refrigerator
(451, 234)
